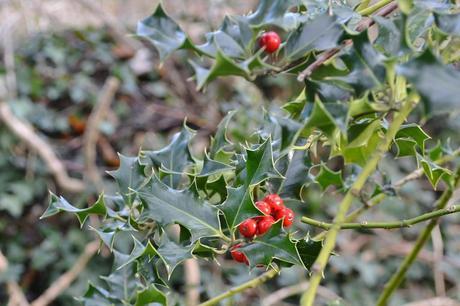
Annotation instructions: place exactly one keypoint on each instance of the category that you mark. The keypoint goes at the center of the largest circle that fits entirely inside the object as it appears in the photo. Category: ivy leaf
(163, 32)
(166, 206)
(59, 204)
(238, 206)
(273, 245)
(326, 177)
(436, 83)
(129, 176)
(321, 33)
(172, 158)
(274, 13)
(448, 23)
(150, 295)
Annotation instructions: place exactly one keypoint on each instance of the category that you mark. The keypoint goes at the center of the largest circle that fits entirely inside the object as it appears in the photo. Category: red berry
(264, 207)
(248, 228)
(271, 41)
(264, 224)
(237, 255)
(275, 202)
(287, 214)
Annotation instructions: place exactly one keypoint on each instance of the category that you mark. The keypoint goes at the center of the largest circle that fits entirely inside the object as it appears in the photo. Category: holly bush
(372, 71)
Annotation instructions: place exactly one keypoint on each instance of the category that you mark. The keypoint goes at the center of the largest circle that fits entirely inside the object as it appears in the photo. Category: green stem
(375, 7)
(398, 277)
(250, 284)
(386, 225)
(320, 264)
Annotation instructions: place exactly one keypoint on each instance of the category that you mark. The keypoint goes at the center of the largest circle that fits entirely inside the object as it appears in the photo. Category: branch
(25, 131)
(192, 282)
(398, 277)
(17, 297)
(92, 129)
(250, 284)
(279, 295)
(64, 281)
(386, 225)
(331, 237)
(325, 56)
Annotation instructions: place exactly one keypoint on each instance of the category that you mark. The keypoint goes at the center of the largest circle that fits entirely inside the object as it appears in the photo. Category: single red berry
(264, 224)
(248, 228)
(287, 214)
(275, 202)
(237, 255)
(264, 207)
(271, 41)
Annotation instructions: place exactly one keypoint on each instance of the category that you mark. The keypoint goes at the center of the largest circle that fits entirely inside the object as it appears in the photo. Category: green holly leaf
(448, 23)
(238, 206)
(406, 147)
(212, 167)
(308, 251)
(414, 132)
(129, 176)
(326, 177)
(295, 171)
(436, 83)
(163, 33)
(367, 70)
(326, 117)
(359, 133)
(167, 206)
(321, 33)
(275, 245)
(275, 13)
(220, 141)
(149, 295)
(219, 187)
(281, 130)
(59, 204)
(260, 165)
(173, 158)
(360, 155)
(433, 171)
(392, 35)
(172, 254)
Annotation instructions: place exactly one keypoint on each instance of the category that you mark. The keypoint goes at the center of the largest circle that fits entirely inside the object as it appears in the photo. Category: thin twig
(386, 225)
(92, 129)
(17, 297)
(25, 132)
(192, 282)
(64, 281)
(279, 295)
(438, 254)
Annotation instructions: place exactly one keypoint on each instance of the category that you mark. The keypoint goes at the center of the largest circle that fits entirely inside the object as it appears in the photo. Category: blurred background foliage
(63, 54)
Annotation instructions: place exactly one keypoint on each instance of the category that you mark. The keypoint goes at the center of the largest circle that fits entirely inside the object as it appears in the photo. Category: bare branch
(64, 281)
(17, 297)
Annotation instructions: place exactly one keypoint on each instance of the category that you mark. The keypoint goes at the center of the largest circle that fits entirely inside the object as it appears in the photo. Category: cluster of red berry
(270, 40)
(272, 206)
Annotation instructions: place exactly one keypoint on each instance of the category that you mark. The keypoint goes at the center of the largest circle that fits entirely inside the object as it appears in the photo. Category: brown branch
(26, 132)
(326, 55)
(92, 129)
(438, 250)
(64, 281)
(17, 297)
(192, 282)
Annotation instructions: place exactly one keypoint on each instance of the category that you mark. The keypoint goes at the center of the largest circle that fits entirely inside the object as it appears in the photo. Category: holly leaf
(167, 206)
(172, 254)
(326, 117)
(220, 141)
(59, 204)
(406, 147)
(259, 164)
(448, 23)
(212, 167)
(149, 295)
(129, 176)
(275, 245)
(238, 206)
(163, 33)
(436, 83)
(321, 33)
(173, 158)
(326, 177)
(308, 250)
(274, 13)
(432, 171)
(414, 132)
(392, 35)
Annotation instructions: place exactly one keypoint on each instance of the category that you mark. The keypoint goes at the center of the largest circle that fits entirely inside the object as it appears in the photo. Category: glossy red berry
(275, 202)
(248, 228)
(237, 255)
(271, 41)
(287, 214)
(264, 207)
(264, 224)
